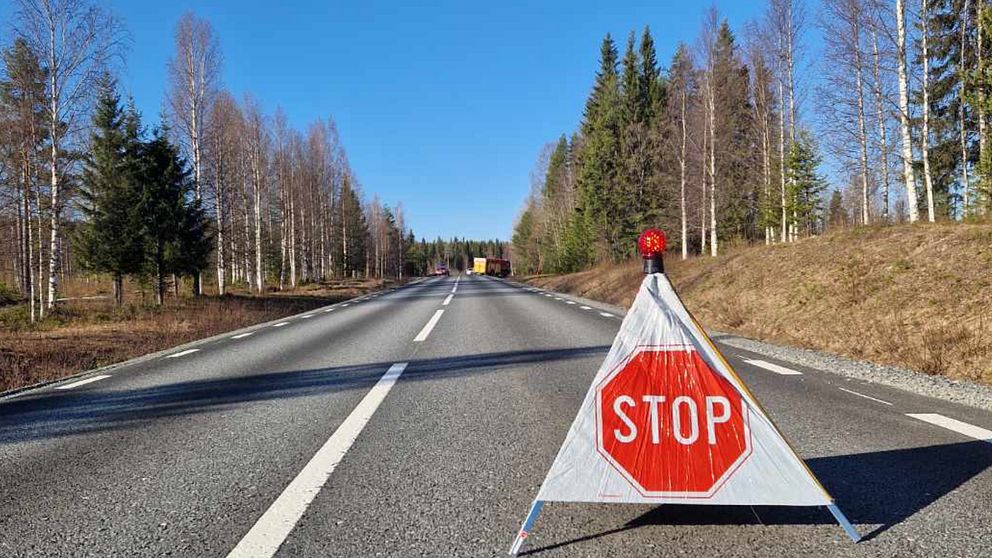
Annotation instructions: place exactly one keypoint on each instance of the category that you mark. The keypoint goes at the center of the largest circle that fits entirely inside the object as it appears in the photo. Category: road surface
(421, 422)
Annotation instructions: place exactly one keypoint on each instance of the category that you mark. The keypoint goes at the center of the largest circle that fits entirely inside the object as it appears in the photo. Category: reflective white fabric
(770, 473)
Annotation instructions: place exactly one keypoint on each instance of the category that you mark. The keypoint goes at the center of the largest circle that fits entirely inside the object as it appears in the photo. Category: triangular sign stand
(667, 420)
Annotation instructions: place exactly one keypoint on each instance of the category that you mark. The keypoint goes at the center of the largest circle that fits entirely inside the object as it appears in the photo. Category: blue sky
(442, 106)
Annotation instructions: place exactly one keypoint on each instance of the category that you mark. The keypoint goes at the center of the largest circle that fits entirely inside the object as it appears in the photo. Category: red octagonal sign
(670, 424)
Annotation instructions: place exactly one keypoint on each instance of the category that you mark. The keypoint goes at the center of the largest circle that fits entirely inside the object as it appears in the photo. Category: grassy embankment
(87, 331)
(917, 296)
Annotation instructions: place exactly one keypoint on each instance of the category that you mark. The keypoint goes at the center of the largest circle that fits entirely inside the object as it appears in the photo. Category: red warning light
(651, 243)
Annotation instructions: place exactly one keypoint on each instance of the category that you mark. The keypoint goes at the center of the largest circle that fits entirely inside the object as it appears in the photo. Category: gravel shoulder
(963, 392)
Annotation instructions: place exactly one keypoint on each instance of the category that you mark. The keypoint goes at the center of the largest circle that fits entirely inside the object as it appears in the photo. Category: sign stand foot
(842, 519)
(535, 509)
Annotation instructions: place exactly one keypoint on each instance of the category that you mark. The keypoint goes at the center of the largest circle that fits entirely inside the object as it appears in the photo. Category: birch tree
(907, 145)
(76, 41)
(925, 139)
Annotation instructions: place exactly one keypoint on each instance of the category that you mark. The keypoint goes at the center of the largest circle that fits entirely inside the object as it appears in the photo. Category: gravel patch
(956, 391)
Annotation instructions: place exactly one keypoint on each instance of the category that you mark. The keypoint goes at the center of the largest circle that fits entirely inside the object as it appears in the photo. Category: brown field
(917, 296)
(89, 332)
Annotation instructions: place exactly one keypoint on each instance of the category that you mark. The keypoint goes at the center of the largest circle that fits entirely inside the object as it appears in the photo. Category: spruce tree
(175, 226)
(805, 184)
(601, 198)
(110, 239)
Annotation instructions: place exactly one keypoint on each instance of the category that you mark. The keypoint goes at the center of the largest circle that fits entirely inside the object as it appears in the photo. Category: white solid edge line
(870, 398)
(428, 327)
(84, 382)
(773, 367)
(969, 430)
(585, 307)
(606, 314)
(270, 531)
(183, 353)
(447, 300)
(280, 324)
(240, 335)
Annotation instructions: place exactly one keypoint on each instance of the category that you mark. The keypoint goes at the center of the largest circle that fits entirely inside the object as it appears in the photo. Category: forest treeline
(216, 194)
(727, 143)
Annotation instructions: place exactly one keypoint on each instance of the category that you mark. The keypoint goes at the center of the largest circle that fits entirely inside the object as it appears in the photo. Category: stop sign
(670, 424)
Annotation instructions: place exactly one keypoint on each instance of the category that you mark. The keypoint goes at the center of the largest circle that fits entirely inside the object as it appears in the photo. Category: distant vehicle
(441, 269)
(491, 266)
(479, 266)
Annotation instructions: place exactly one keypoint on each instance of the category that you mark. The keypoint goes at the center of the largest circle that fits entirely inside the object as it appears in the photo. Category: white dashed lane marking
(969, 430)
(428, 327)
(585, 307)
(269, 532)
(280, 324)
(868, 397)
(243, 335)
(606, 315)
(447, 300)
(183, 353)
(773, 367)
(84, 382)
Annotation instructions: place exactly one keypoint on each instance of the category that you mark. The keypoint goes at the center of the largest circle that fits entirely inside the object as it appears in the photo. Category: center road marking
(969, 430)
(240, 335)
(183, 353)
(773, 367)
(852, 392)
(280, 324)
(428, 327)
(84, 382)
(447, 300)
(271, 530)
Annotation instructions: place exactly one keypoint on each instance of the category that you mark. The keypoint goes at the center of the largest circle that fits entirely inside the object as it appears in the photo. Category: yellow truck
(491, 266)
(479, 266)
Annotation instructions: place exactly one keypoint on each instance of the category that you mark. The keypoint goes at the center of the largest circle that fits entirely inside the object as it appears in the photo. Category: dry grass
(88, 333)
(918, 296)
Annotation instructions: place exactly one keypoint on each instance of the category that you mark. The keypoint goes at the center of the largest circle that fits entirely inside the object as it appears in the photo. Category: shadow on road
(879, 489)
(55, 414)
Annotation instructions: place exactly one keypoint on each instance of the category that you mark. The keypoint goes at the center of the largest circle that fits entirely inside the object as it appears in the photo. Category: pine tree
(111, 240)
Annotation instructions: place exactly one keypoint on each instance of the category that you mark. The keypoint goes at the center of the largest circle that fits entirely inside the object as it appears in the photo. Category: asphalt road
(384, 428)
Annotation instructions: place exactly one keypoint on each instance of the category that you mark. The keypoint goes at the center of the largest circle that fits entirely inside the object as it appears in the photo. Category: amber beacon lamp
(651, 244)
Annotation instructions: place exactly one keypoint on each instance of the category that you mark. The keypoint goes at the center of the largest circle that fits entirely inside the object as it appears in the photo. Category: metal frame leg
(535, 509)
(842, 519)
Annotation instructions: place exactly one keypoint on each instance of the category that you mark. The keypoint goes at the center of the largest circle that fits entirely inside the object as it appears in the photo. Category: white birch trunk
(907, 145)
(882, 128)
(925, 140)
(862, 129)
(965, 182)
